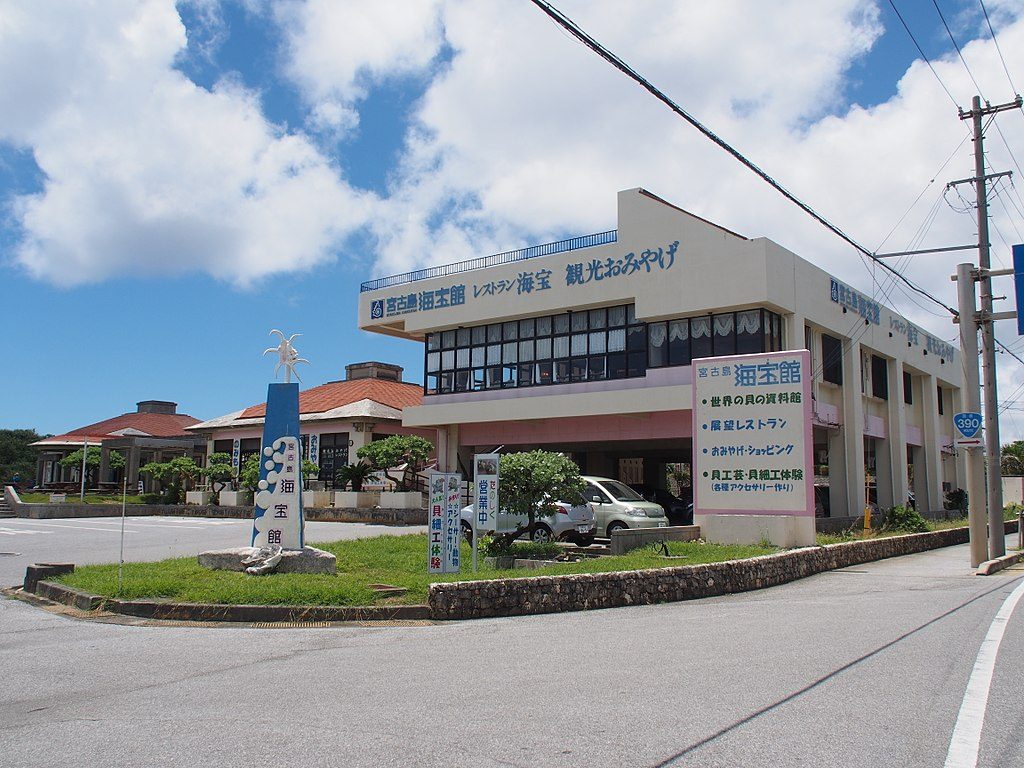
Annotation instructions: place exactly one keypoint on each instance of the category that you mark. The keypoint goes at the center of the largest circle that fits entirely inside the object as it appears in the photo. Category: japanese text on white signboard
(485, 485)
(752, 435)
(443, 533)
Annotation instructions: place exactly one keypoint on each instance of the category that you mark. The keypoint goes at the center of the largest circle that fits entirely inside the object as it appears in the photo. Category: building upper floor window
(831, 359)
(879, 377)
(938, 390)
(908, 388)
(589, 345)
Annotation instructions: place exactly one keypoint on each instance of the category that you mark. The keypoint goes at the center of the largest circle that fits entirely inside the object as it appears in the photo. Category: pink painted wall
(662, 425)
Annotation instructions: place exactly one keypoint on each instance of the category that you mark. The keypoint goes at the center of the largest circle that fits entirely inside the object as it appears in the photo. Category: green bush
(907, 519)
(496, 547)
(1012, 511)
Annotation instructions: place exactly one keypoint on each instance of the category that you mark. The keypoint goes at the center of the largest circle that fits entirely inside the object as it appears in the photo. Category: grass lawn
(395, 560)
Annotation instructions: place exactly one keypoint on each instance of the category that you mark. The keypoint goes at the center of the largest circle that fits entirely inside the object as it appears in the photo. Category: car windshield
(621, 492)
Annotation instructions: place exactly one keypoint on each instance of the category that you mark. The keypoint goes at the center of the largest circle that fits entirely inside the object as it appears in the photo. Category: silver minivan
(619, 506)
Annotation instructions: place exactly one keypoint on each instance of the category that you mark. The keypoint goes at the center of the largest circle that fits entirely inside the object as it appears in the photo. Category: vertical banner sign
(236, 452)
(443, 527)
(278, 514)
(485, 484)
(314, 448)
(1018, 285)
(752, 435)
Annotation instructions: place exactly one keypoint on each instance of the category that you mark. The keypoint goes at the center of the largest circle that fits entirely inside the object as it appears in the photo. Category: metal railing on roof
(583, 241)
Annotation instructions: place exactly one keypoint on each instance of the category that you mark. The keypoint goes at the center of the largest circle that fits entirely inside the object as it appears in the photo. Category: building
(336, 419)
(585, 346)
(154, 432)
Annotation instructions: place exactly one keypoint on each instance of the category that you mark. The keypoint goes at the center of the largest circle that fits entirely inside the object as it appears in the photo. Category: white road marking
(966, 740)
(82, 527)
(16, 531)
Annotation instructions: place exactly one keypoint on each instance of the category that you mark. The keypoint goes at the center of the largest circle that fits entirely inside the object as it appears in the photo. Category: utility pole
(996, 529)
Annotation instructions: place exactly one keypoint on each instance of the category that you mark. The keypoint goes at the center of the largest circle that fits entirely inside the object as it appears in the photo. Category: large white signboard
(443, 534)
(485, 485)
(752, 435)
(279, 497)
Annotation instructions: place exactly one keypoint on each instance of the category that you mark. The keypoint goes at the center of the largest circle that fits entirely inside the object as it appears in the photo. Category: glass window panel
(525, 351)
(725, 334)
(433, 382)
(508, 353)
(544, 371)
(462, 357)
(462, 381)
(494, 377)
(510, 330)
(616, 340)
(749, 338)
(776, 332)
(636, 338)
(630, 314)
(543, 326)
(480, 334)
(657, 344)
(562, 371)
(479, 382)
(579, 344)
(527, 328)
(433, 341)
(578, 369)
(636, 363)
(446, 383)
(561, 346)
(433, 361)
(617, 366)
(579, 321)
(596, 368)
(679, 342)
(617, 315)
(597, 343)
(543, 349)
(700, 337)
(508, 375)
(494, 354)
(448, 339)
(561, 323)
(493, 332)
(525, 374)
(598, 318)
(479, 357)
(448, 359)
(462, 337)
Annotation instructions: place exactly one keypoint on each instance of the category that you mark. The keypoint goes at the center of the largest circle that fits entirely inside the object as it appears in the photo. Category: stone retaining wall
(580, 592)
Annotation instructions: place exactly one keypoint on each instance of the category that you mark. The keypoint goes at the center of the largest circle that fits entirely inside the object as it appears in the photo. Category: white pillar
(930, 438)
(853, 429)
(897, 418)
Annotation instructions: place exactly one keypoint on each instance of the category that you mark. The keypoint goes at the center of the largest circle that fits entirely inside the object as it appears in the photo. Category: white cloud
(145, 172)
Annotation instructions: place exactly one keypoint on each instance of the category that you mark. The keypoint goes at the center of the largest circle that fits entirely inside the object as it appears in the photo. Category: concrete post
(931, 449)
(897, 442)
(853, 429)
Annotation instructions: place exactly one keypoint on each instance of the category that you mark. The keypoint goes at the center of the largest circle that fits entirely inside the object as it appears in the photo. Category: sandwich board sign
(968, 429)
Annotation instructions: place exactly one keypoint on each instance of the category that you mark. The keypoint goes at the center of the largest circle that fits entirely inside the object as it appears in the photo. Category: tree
(354, 474)
(530, 483)
(1011, 460)
(408, 452)
(309, 470)
(93, 460)
(174, 476)
(249, 474)
(17, 457)
(219, 471)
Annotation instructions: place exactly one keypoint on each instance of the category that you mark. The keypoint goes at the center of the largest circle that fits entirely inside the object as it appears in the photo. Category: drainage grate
(289, 624)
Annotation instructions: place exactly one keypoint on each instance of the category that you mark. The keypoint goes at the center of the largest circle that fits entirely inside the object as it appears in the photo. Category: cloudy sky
(177, 178)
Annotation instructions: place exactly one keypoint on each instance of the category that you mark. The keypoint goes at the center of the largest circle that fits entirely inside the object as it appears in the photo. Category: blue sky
(178, 179)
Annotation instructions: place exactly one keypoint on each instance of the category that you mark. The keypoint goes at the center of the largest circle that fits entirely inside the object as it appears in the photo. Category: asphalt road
(861, 667)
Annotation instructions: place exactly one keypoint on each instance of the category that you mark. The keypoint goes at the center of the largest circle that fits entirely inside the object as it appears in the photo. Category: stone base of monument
(307, 560)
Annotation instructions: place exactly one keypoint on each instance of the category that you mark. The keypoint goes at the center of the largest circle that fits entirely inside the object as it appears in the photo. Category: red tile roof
(155, 424)
(335, 394)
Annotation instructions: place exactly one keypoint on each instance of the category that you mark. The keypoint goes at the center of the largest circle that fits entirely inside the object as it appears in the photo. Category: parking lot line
(83, 527)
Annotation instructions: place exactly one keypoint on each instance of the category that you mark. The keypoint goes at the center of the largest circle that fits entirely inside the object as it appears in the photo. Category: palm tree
(1011, 462)
(356, 474)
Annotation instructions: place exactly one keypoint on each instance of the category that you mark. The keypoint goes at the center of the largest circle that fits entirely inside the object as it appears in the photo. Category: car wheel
(584, 541)
(616, 526)
(541, 534)
(467, 532)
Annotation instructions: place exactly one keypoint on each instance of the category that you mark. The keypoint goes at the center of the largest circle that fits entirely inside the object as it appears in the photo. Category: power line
(958, 51)
(921, 51)
(998, 49)
(568, 24)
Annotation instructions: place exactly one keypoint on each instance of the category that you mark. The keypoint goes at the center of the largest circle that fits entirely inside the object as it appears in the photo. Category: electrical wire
(958, 51)
(921, 51)
(998, 49)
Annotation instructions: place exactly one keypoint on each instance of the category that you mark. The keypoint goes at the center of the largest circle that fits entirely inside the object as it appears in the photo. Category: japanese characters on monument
(485, 484)
(278, 519)
(752, 434)
(443, 523)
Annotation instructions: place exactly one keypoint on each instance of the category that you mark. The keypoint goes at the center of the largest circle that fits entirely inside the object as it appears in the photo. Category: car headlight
(636, 512)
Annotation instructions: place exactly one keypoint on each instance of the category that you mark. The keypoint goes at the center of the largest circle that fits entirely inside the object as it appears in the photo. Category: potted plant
(311, 497)
(355, 475)
(248, 479)
(399, 458)
(219, 474)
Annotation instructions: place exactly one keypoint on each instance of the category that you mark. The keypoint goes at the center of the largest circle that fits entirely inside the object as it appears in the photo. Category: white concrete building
(585, 345)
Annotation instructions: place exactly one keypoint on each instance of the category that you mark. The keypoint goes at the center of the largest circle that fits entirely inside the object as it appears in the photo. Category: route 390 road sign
(968, 429)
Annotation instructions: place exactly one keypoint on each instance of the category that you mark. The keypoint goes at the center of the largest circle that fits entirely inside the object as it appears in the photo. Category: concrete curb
(154, 609)
(994, 566)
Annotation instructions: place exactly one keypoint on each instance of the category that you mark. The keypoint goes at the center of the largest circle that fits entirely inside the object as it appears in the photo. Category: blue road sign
(1018, 285)
(968, 425)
